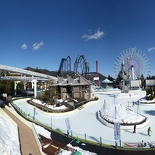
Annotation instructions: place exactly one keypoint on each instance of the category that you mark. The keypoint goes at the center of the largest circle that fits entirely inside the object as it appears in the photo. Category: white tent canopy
(106, 81)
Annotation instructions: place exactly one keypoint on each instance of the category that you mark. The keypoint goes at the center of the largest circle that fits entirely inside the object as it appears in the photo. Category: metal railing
(84, 137)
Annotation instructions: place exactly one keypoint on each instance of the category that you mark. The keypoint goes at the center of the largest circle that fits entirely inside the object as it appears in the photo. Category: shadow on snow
(150, 112)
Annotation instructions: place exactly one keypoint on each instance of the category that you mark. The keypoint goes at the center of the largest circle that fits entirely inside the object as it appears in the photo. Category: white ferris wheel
(135, 62)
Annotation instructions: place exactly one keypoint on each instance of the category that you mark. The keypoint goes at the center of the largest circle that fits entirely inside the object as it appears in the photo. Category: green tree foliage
(51, 93)
(150, 77)
(6, 87)
(142, 81)
(150, 93)
(20, 88)
(9, 87)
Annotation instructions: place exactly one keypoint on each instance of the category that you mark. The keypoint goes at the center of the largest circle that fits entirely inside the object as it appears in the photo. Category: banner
(117, 133)
(68, 124)
(34, 110)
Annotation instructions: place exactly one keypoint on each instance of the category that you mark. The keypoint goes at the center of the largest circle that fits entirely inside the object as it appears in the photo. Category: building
(77, 88)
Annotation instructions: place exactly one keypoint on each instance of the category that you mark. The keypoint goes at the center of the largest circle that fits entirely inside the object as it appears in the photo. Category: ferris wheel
(135, 62)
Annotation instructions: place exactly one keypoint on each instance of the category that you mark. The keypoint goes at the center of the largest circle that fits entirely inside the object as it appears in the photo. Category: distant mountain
(90, 76)
(93, 74)
(43, 71)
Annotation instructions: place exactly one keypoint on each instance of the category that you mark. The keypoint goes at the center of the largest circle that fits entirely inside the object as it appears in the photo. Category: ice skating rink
(84, 122)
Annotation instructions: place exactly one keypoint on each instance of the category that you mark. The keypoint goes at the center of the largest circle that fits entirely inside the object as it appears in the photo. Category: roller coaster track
(65, 65)
(81, 66)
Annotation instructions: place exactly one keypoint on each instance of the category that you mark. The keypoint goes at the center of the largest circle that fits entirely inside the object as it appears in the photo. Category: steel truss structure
(81, 66)
(65, 66)
(132, 58)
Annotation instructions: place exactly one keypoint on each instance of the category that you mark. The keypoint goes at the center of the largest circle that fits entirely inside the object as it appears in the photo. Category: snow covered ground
(84, 121)
(9, 141)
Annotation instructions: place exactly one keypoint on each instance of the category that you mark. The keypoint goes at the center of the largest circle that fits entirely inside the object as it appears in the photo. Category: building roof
(106, 81)
(73, 82)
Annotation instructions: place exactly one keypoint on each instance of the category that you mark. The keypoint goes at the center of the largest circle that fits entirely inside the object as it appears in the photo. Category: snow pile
(120, 114)
(38, 101)
(40, 130)
(83, 152)
(62, 107)
(64, 152)
(144, 101)
(9, 142)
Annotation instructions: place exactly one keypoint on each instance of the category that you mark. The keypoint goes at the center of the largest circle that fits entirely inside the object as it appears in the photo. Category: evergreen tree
(110, 78)
(142, 81)
(6, 87)
(9, 87)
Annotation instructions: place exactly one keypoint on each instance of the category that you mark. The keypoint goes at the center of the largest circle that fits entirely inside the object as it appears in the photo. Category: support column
(34, 84)
(15, 86)
(24, 85)
(45, 86)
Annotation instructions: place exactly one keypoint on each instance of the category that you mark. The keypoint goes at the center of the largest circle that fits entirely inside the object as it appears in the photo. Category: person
(134, 128)
(67, 133)
(149, 131)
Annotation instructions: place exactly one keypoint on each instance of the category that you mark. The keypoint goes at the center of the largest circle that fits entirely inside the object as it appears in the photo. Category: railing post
(120, 143)
(100, 141)
(85, 137)
(116, 144)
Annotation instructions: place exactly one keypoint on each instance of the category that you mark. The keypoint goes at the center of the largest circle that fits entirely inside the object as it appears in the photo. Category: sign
(96, 78)
(117, 133)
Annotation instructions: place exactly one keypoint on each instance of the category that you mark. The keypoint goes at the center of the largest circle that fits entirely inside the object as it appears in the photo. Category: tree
(142, 81)
(149, 94)
(110, 78)
(51, 93)
(20, 88)
(6, 87)
(9, 87)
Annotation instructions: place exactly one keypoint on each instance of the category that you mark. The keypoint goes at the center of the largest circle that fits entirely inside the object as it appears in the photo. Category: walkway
(27, 139)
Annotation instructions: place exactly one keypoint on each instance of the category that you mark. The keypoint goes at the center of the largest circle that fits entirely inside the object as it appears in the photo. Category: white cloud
(24, 46)
(37, 46)
(97, 35)
(152, 49)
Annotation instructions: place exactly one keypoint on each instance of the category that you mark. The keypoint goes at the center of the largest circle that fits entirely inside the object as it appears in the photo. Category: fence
(83, 137)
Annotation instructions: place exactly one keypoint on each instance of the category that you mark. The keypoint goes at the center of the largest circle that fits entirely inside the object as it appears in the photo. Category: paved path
(27, 139)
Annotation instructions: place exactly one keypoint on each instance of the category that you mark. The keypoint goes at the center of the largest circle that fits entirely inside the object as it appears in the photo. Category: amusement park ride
(132, 63)
(80, 66)
(135, 62)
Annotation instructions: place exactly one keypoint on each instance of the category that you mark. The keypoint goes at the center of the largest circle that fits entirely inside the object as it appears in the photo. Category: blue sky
(38, 33)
